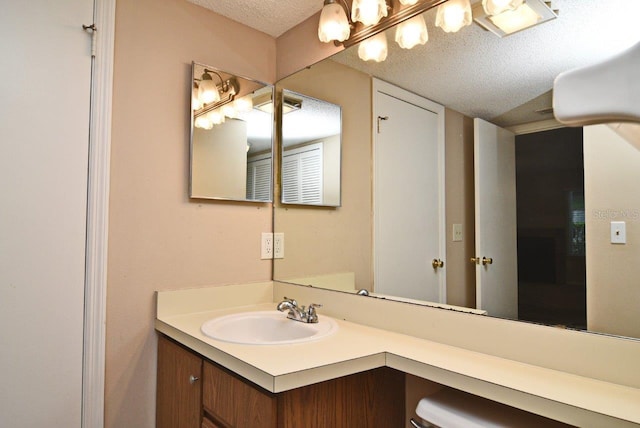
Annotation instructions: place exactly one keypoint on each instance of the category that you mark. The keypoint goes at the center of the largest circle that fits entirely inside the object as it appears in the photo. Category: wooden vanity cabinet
(222, 399)
(179, 394)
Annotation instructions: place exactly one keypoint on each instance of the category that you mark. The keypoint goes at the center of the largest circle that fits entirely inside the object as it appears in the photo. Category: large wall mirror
(231, 137)
(569, 183)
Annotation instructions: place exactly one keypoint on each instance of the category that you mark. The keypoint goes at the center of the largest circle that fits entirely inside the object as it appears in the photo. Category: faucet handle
(293, 301)
(312, 316)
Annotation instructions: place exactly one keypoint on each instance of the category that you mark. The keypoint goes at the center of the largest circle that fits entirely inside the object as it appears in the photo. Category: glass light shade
(216, 117)
(453, 15)
(373, 48)
(516, 20)
(208, 90)
(229, 110)
(412, 32)
(203, 122)
(369, 12)
(244, 104)
(408, 2)
(195, 101)
(495, 7)
(334, 24)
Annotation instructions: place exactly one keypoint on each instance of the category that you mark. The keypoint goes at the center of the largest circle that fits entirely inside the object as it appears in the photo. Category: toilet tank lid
(450, 408)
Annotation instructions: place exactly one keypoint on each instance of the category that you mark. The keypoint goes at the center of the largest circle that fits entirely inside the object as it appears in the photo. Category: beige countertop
(355, 348)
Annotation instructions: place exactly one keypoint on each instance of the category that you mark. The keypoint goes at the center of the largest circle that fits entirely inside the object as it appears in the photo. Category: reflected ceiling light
(412, 32)
(495, 7)
(408, 2)
(208, 89)
(265, 104)
(334, 24)
(229, 110)
(216, 117)
(203, 122)
(527, 15)
(369, 12)
(374, 48)
(244, 104)
(453, 15)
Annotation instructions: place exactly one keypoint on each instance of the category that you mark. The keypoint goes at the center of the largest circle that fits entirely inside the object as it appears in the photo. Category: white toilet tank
(450, 408)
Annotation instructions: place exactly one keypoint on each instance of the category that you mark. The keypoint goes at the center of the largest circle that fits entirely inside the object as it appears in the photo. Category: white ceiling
(473, 71)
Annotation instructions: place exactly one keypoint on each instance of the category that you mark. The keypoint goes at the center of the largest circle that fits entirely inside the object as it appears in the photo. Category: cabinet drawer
(233, 402)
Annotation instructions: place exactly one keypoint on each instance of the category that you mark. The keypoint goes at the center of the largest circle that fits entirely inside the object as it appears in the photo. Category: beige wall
(158, 239)
(220, 161)
(339, 239)
(611, 194)
(460, 208)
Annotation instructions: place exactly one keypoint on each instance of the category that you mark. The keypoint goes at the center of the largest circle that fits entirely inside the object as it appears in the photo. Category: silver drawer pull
(193, 379)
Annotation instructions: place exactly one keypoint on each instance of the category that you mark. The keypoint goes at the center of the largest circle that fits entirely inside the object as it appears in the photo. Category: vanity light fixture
(526, 15)
(203, 122)
(453, 15)
(229, 110)
(210, 92)
(334, 24)
(374, 48)
(412, 32)
(369, 12)
(216, 117)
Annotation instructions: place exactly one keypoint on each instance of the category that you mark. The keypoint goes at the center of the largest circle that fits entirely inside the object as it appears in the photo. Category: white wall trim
(93, 379)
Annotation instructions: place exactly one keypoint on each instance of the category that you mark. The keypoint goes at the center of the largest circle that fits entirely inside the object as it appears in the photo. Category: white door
(44, 122)
(496, 227)
(408, 194)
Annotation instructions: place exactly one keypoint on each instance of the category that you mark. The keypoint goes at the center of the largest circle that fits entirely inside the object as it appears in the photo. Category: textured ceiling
(479, 74)
(273, 17)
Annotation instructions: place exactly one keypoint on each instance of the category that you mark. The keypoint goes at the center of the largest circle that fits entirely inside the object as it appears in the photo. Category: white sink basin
(266, 328)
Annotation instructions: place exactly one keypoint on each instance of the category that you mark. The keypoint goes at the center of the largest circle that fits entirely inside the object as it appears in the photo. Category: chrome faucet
(298, 313)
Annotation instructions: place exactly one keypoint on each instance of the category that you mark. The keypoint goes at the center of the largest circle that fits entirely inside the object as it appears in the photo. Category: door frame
(95, 290)
(411, 98)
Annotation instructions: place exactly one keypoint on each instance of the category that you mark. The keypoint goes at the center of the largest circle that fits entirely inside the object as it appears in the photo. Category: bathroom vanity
(194, 391)
(357, 374)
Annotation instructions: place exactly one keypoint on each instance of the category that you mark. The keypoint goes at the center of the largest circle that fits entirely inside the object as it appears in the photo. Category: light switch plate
(618, 232)
(457, 232)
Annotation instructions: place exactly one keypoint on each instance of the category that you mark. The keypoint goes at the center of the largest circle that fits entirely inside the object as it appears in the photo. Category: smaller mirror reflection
(231, 137)
(311, 155)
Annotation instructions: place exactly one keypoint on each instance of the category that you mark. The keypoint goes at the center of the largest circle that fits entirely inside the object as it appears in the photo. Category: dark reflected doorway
(551, 232)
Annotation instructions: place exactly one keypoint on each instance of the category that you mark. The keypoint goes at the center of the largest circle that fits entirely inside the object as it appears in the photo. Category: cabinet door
(232, 402)
(179, 394)
(370, 399)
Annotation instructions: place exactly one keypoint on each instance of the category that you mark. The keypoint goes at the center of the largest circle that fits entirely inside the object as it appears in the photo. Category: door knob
(475, 260)
(437, 263)
(487, 261)
(193, 379)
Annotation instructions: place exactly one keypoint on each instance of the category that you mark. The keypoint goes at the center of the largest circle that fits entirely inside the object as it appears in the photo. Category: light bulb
(408, 2)
(203, 122)
(196, 104)
(229, 110)
(244, 104)
(369, 12)
(216, 117)
(334, 24)
(495, 7)
(373, 48)
(453, 15)
(208, 90)
(412, 32)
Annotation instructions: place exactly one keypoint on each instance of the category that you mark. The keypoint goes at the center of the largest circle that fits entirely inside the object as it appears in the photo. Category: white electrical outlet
(266, 247)
(278, 245)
